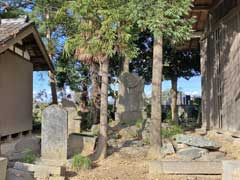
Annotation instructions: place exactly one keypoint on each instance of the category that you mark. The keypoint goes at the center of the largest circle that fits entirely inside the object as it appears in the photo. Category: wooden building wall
(220, 58)
(15, 94)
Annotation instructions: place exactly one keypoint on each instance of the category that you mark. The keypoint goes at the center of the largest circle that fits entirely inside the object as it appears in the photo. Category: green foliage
(146, 141)
(171, 131)
(169, 116)
(70, 72)
(44, 14)
(139, 123)
(30, 157)
(81, 162)
(86, 120)
(102, 28)
(14, 8)
(163, 17)
(185, 63)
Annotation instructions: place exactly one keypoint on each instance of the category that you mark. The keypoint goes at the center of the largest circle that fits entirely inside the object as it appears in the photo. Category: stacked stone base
(24, 171)
(3, 168)
(197, 170)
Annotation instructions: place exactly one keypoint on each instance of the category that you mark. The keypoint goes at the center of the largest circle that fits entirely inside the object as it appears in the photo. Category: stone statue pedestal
(130, 101)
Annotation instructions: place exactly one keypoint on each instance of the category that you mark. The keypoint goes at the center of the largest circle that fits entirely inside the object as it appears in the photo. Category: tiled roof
(23, 34)
(9, 28)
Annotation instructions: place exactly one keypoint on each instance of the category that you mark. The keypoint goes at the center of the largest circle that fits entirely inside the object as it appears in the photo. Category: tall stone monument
(54, 134)
(130, 101)
(74, 120)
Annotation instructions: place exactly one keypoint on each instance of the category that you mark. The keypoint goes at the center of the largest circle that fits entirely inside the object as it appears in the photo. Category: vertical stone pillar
(54, 134)
(74, 120)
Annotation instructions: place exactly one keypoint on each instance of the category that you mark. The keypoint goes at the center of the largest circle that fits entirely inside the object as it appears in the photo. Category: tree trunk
(174, 93)
(51, 74)
(95, 92)
(101, 148)
(156, 108)
(126, 65)
(53, 87)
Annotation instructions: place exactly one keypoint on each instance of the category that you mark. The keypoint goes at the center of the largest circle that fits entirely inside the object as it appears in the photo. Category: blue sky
(192, 86)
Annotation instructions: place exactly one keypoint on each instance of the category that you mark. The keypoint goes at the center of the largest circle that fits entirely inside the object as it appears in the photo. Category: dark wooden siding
(15, 93)
(221, 78)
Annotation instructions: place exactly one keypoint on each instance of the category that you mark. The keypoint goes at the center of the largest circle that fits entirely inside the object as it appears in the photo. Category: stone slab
(236, 134)
(185, 167)
(167, 149)
(56, 178)
(74, 123)
(14, 174)
(54, 133)
(44, 169)
(197, 141)
(186, 177)
(28, 143)
(3, 168)
(191, 153)
(83, 144)
(231, 170)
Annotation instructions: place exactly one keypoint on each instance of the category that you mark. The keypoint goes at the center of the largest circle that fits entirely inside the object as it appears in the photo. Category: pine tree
(44, 15)
(162, 18)
(97, 36)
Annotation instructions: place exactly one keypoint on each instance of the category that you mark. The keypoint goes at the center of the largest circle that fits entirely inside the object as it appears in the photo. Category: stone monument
(54, 134)
(130, 103)
(74, 120)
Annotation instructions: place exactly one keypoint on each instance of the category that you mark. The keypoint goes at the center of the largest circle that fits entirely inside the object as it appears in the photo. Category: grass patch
(29, 158)
(146, 141)
(139, 123)
(81, 162)
(171, 131)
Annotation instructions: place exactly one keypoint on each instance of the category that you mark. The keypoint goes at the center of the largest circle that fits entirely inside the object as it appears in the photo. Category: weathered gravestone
(74, 123)
(130, 98)
(54, 134)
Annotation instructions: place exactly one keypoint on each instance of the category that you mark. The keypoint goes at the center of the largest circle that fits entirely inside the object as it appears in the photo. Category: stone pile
(189, 147)
(17, 149)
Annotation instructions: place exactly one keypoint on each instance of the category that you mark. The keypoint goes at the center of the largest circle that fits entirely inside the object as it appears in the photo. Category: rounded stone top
(130, 80)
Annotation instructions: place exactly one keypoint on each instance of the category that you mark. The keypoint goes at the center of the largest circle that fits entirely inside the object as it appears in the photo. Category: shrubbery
(30, 157)
(81, 162)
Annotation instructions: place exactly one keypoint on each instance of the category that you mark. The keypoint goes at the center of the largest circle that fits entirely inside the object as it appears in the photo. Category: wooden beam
(201, 7)
(197, 34)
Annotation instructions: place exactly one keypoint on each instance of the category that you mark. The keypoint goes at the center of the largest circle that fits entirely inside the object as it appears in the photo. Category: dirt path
(127, 164)
(130, 163)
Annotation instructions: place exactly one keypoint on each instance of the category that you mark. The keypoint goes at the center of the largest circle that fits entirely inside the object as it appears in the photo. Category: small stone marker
(74, 123)
(231, 170)
(83, 144)
(54, 134)
(3, 168)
